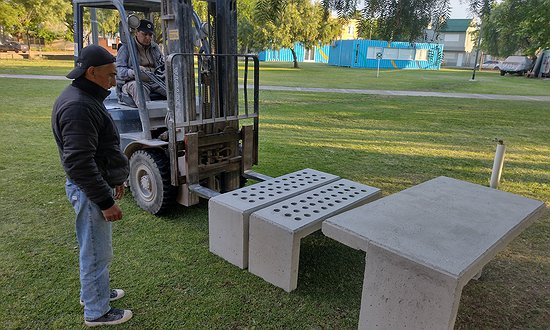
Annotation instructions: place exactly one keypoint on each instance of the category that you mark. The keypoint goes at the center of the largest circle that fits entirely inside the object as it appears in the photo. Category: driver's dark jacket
(88, 141)
(149, 57)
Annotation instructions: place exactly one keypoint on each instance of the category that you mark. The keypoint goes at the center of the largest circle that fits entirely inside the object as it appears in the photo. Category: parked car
(516, 64)
(490, 65)
(13, 46)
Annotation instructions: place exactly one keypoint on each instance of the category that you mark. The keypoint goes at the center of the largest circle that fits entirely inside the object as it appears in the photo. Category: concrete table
(424, 244)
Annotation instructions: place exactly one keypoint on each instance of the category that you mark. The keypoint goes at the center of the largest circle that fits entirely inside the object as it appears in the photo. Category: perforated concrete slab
(424, 244)
(276, 231)
(228, 214)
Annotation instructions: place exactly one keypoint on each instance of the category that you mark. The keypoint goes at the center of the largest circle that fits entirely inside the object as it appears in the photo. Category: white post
(497, 165)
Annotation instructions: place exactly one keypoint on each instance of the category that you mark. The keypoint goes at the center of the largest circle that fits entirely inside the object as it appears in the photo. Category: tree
(295, 21)
(403, 19)
(517, 26)
(9, 17)
(34, 18)
(246, 29)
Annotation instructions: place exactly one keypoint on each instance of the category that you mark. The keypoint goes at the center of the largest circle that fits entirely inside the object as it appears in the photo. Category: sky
(459, 10)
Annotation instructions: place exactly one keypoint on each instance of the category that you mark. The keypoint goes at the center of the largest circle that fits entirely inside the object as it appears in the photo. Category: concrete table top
(424, 244)
(445, 224)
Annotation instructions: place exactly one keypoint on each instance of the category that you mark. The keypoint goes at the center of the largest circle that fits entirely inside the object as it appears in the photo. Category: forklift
(202, 140)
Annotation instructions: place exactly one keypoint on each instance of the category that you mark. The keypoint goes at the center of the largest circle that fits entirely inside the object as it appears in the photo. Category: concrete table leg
(400, 294)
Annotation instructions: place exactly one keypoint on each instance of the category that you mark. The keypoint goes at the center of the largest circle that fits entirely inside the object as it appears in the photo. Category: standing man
(149, 58)
(96, 169)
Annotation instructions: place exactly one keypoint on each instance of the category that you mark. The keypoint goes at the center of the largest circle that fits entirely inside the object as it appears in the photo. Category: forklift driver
(149, 57)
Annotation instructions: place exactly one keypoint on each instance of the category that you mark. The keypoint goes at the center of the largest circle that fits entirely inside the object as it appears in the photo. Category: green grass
(36, 66)
(326, 76)
(171, 279)
(445, 80)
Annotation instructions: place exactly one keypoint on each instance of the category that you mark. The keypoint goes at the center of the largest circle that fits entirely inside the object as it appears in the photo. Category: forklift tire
(150, 181)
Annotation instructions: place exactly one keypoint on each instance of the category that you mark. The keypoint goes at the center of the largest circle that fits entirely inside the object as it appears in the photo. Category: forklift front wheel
(150, 180)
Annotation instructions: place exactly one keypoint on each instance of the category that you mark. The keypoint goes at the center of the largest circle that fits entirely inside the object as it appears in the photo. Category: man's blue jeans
(94, 236)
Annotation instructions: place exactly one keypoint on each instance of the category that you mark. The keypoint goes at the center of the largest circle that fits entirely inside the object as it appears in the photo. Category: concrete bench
(228, 214)
(424, 244)
(275, 232)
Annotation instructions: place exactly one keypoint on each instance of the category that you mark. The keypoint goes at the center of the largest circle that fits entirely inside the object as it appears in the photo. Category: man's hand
(114, 213)
(143, 74)
(119, 192)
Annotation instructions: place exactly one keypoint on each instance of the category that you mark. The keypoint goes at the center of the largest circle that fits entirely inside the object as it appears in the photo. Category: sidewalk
(407, 93)
(350, 91)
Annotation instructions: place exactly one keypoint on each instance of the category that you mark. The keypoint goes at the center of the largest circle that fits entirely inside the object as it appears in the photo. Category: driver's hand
(144, 77)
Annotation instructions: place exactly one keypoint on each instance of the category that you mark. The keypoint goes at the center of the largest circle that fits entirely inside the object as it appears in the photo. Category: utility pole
(477, 52)
(484, 11)
(93, 18)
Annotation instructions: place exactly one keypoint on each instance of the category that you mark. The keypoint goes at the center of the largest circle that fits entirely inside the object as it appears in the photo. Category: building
(349, 30)
(364, 54)
(458, 40)
(388, 55)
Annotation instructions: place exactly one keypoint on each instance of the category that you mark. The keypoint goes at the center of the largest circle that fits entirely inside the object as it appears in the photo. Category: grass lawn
(444, 80)
(324, 75)
(171, 279)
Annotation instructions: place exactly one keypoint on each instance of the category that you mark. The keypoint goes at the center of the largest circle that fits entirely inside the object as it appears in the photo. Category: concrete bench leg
(274, 254)
(275, 231)
(400, 294)
(228, 234)
(228, 214)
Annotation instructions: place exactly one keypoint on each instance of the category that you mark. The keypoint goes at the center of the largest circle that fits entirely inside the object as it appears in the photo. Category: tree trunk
(28, 34)
(295, 58)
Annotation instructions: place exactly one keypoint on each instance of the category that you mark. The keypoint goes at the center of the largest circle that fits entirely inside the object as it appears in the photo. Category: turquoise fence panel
(262, 55)
(335, 53)
(362, 54)
(299, 49)
(281, 55)
(346, 52)
(322, 54)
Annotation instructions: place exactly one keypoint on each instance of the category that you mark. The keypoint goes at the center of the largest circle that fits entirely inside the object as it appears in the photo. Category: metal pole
(93, 19)
(477, 51)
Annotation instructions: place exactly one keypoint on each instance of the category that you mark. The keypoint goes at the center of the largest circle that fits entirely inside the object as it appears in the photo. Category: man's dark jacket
(88, 141)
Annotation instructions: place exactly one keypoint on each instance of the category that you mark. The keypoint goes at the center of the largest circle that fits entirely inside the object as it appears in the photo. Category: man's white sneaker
(112, 317)
(115, 294)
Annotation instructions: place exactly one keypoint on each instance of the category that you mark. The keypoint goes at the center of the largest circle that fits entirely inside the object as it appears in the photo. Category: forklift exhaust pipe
(498, 164)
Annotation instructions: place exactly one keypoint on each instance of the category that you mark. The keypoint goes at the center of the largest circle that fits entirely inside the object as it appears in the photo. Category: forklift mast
(203, 103)
(192, 144)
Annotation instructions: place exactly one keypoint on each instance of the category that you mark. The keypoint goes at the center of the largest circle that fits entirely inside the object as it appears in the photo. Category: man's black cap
(146, 26)
(92, 55)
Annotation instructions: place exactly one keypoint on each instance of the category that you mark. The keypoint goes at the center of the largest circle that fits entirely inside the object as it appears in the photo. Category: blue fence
(320, 54)
(389, 55)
